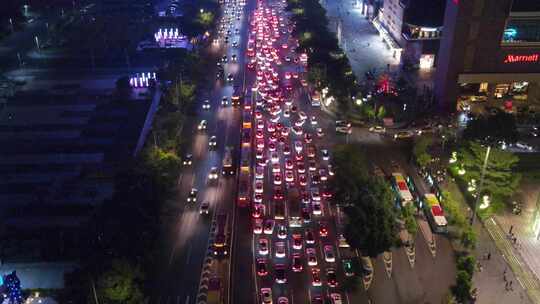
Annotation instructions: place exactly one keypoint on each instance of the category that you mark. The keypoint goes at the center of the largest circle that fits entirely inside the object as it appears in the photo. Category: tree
(467, 263)
(492, 128)
(420, 151)
(462, 289)
(410, 222)
(350, 169)
(500, 180)
(381, 112)
(181, 94)
(121, 283)
(468, 238)
(317, 75)
(371, 222)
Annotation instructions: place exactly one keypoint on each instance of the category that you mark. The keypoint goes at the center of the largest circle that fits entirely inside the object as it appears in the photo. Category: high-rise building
(490, 52)
(415, 28)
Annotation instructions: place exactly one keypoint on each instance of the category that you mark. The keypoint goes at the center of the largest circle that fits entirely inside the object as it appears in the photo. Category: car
(306, 215)
(377, 129)
(257, 226)
(323, 229)
(206, 105)
(317, 299)
(302, 115)
(280, 251)
(260, 125)
(272, 147)
(276, 168)
(213, 174)
(259, 187)
(315, 196)
(311, 255)
(263, 246)
(347, 267)
(224, 59)
(297, 130)
(316, 277)
(313, 120)
(259, 154)
(230, 77)
(286, 150)
(312, 165)
(192, 197)
(335, 298)
(233, 58)
(187, 160)
(258, 210)
(235, 44)
(279, 271)
(309, 237)
(343, 127)
(274, 157)
(331, 277)
(329, 254)
(310, 151)
(323, 175)
(297, 241)
(319, 132)
(204, 207)
(302, 180)
(257, 198)
(282, 300)
(282, 232)
(266, 295)
(299, 123)
(262, 268)
(325, 154)
(297, 263)
(308, 138)
(212, 142)
(259, 172)
(288, 164)
(403, 135)
(289, 176)
(278, 194)
(203, 124)
(269, 226)
(298, 146)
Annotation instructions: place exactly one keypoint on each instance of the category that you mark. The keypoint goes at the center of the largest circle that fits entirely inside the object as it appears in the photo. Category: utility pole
(484, 166)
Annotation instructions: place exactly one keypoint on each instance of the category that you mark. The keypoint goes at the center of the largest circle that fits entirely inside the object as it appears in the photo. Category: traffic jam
(295, 247)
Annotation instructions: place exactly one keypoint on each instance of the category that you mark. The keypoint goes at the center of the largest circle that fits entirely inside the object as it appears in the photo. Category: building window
(522, 31)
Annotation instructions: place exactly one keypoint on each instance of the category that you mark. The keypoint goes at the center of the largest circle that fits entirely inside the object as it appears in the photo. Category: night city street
(270, 151)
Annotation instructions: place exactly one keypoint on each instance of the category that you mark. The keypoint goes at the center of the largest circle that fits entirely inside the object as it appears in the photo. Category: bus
(295, 217)
(245, 159)
(228, 167)
(246, 119)
(244, 179)
(220, 246)
(401, 188)
(435, 213)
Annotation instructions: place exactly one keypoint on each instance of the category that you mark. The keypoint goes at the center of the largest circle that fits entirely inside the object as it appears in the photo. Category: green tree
(500, 180)
(181, 94)
(420, 151)
(410, 221)
(317, 76)
(121, 283)
(462, 289)
(468, 238)
(381, 112)
(467, 263)
(350, 169)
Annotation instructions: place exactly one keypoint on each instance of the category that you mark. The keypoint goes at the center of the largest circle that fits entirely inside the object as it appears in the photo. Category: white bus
(401, 188)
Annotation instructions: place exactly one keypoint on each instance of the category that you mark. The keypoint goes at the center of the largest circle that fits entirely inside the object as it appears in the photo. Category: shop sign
(531, 58)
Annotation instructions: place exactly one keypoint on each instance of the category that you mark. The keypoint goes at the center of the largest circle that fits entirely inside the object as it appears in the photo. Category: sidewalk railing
(519, 267)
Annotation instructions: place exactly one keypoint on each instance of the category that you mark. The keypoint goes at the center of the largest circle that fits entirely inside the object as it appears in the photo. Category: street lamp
(481, 185)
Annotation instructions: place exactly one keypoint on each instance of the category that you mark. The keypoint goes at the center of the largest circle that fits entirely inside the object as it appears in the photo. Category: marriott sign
(521, 58)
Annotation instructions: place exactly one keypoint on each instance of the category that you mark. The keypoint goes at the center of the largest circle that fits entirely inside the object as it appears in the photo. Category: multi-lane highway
(189, 233)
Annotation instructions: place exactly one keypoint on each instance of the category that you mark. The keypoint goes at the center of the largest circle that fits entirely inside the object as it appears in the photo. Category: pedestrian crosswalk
(519, 268)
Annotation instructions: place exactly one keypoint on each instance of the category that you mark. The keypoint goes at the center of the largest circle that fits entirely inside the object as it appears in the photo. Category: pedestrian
(511, 228)
(514, 240)
(489, 256)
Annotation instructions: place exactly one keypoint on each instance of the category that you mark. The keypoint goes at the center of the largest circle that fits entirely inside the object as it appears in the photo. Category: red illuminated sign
(521, 58)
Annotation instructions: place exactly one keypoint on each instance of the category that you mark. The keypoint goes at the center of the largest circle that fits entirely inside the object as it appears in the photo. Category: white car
(277, 179)
(275, 157)
(302, 115)
(202, 125)
(213, 173)
(316, 207)
(269, 226)
(206, 105)
(192, 197)
(311, 256)
(329, 254)
(280, 250)
(377, 129)
(258, 226)
(263, 246)
(266, 296)
(298, 146)
(282, 232)
(313, 121)
(204, 208)
(212, 142)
